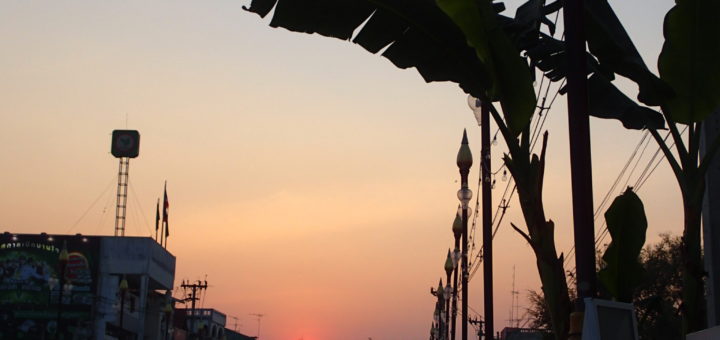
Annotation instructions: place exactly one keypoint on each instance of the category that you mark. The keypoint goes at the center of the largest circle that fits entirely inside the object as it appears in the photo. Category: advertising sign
(47, 286)
(125, 143)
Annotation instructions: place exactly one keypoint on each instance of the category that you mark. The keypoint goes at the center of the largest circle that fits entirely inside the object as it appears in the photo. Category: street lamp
(457, 232)
(167, 311)
(123, 289)
(440, 292)
(464, 162)
(62, 262)
(439, 314)
(449, 268)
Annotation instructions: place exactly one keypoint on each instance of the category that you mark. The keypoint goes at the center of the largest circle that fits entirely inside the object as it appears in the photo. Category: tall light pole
(456, 255)
(464, 162)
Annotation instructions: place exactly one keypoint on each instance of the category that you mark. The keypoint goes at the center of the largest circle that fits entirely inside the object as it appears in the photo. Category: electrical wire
(642, 178)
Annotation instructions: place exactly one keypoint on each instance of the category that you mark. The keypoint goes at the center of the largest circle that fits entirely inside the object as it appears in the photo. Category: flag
(157, 217)
(166, 207)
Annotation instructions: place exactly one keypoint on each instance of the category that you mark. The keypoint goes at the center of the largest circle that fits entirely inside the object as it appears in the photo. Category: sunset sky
(308, 179)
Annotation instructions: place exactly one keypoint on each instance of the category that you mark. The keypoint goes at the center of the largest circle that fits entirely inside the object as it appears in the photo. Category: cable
(632, 156)
(142, 211)
(646, 171)
(91, 205)
(642, 178)
(477, 259)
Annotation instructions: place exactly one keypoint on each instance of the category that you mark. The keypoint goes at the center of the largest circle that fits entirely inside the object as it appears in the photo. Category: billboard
(43, 296)
(125, 143)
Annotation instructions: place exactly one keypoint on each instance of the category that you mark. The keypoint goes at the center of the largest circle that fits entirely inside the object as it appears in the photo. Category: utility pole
(487, 216)
(479, 326)
(580, 160)
(259, 317)
(196, 287)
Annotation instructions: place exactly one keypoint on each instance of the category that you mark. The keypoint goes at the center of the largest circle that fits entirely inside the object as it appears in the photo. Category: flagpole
(157, 219)
(166, 207)
(162, 228)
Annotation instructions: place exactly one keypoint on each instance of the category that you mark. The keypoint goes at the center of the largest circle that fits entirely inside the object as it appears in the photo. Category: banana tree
(468, 42)
(687, 91)
(690, 63)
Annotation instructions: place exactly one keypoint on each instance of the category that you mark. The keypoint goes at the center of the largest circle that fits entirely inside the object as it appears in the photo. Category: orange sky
(309, 180)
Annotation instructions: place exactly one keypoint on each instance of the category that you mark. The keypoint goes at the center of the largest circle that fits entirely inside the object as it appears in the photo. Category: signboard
(125, 143)
(40, 298)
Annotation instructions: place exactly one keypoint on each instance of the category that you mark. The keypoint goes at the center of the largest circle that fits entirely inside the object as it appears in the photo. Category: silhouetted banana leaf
(548, 55)
(627, 225)
(610, 44)
(415, 33)
(606, 101)
(614, 51)
(510, 74)
(690, 59)
(524, 29)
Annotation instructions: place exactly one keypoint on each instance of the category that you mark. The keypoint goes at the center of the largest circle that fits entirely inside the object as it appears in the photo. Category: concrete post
(143, 306)
(711, 221)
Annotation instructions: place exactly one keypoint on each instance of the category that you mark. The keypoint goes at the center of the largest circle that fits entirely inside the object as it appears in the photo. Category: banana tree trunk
(693, 307)
(528, 174)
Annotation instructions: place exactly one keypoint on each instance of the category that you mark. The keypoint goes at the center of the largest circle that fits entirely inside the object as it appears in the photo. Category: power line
(504, 202)
(642, 178)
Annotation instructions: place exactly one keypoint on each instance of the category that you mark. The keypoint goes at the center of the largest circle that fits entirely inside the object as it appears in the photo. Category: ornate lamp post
(62, 262)
(449, 268)
(456, 255)
(464, 162)
(439, 314)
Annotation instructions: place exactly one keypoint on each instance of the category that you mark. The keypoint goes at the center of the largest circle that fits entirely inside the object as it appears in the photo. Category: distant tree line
(657, 298)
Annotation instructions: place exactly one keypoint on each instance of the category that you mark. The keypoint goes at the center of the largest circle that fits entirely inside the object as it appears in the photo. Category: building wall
(148, 268)
(91, 276)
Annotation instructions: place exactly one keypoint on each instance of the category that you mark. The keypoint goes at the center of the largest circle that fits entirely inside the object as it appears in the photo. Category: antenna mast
(259, 317)
(514, 305)
(236, 321)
